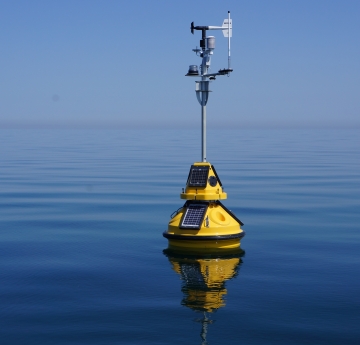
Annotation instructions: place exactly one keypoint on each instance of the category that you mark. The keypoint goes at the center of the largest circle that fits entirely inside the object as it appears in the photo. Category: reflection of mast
(204, 321)
(203, 281)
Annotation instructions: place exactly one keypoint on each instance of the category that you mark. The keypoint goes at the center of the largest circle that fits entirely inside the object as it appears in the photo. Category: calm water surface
(82, 253)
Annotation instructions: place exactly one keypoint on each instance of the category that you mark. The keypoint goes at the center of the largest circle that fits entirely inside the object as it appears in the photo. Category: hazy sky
(122, 63)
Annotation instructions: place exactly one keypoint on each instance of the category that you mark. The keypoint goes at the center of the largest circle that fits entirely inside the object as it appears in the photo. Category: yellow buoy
(203, 222)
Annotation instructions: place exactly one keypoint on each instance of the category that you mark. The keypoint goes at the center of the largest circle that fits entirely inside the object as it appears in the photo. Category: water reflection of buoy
(203, 221)
(203, 280)
(203, 277)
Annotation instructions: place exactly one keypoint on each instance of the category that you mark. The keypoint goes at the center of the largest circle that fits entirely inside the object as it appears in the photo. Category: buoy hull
(215, 227)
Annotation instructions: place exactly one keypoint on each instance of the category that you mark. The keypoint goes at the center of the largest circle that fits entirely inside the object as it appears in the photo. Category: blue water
(81, 221)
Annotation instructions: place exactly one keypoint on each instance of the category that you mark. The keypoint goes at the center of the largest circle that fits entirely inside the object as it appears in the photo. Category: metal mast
(207, 46)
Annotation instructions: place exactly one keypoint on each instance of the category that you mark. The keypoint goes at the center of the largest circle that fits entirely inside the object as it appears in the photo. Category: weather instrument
(203, 222)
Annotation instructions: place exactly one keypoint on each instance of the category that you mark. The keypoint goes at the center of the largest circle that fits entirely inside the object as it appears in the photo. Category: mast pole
(229, 57)
(204, 95)
(203, 131)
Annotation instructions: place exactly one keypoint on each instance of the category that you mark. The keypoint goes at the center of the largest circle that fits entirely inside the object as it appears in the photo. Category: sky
(122, 64)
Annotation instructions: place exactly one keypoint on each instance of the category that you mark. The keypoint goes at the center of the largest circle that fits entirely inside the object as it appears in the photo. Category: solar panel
(194, 216)
(198, 176)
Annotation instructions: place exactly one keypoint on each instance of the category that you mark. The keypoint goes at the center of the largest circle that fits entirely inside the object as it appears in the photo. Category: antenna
(206, 50)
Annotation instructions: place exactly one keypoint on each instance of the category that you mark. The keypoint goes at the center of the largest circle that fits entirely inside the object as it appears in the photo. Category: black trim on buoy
(216, 175)
(203, 238)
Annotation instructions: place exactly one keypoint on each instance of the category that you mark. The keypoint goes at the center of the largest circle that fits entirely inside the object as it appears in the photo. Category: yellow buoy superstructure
(203, 221)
